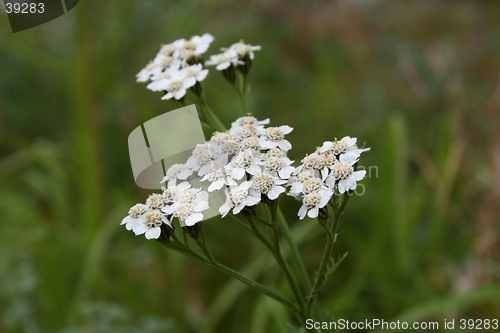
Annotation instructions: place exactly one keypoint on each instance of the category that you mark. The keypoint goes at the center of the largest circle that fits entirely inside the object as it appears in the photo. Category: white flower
(346, 145)
(177, 85)
(202, 157)
(168, 49)
(201, 43)
(188, 205)
(165, 62)
(276, 162)
(172, 191)
(239, 197)
(176, 171)
(306, 186)
(146, 73)
(150, 224)
(197, 45)
(252, 143)
(224, 144)
(218, 178)
(343, 172)
(312, 202)
(134, 214)
(156, 201)
(275, 137)
(268, 185)
(160, 80)
(223, 60)
(243, 162)
(245, 49)
(195, 71)
(241, 122)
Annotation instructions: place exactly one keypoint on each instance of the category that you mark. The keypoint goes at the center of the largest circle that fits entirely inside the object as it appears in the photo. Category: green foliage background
(418, 81)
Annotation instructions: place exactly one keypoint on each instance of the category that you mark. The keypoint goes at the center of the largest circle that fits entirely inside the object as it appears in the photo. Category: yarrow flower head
(177, 67)
(239, 197)
(133, 217)
(188, 205)
(330, 169)
(150, 224)
(224, 60)
(244, 50)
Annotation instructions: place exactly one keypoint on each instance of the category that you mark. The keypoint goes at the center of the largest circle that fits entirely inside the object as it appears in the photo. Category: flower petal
(153, 233)
(193, 218)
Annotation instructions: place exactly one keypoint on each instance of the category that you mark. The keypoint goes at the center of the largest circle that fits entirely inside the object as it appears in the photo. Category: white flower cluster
(329, 168)
(179, 201)
(244, 164)
(237, 54)
(177, 66)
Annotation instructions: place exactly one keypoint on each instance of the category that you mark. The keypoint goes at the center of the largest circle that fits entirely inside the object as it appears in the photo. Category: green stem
(238, 222)
(294, 250)
(210, 115)
(186, 240)
(210, 261)
(241, 90)
(275, 250)
(331, 230)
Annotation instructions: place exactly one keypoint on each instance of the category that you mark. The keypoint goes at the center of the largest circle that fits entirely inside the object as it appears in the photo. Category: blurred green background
(418, 81)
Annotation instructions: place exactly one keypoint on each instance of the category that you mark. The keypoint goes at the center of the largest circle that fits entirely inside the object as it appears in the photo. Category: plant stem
(294, 250)
(241, 90)
(275, 250)
(331, 230)
(210, 261)
(210, 115)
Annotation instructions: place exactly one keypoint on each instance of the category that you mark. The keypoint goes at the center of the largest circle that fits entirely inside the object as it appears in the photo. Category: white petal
(180, 93)
(313, 212)
(268, 144)
(349, 141)
(184, 174)
(342, 186)
(285, 145)
(285, 172)
(202, 75)
(327, 145)
(153, 233)
(330, 182)
(216, 185)
(237, 173)
(348, 158)
(169, 210)
(164, 179)
(140, 229)
(324, 200)
(224, 209)
(253, 169)
(275, 192)
(302, 212)
(168, 96)
(251, 201)
(358, 175)
(223, 65)
(183, 186)
(193, 218)
(285, 129)
(245, 185)
(125, 219)
(201, 206)
(188, 82)
(238, 208)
